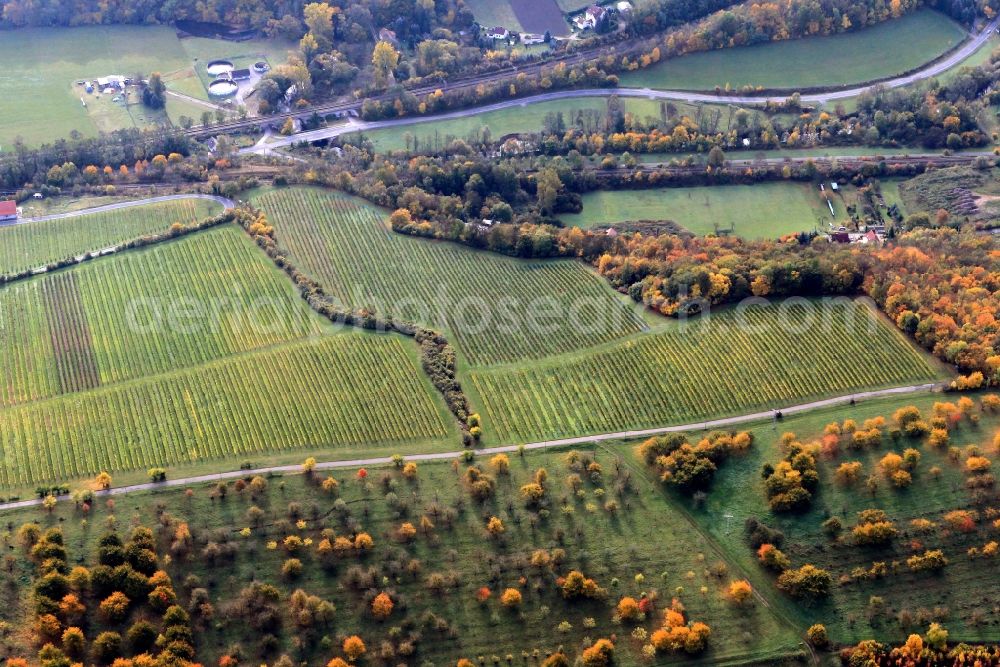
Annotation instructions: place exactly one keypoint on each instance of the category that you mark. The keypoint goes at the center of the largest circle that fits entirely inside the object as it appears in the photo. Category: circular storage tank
(222, 88)
(217, 67)
(260, 67)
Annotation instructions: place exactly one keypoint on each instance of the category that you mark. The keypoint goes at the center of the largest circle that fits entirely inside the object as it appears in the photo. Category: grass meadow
(764, 210)
(961, 596)
(34, 244)
(646, 545)
(39, 98)
(485, 300)
(853, 57)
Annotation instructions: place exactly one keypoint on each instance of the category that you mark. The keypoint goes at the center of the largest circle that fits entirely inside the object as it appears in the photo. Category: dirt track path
(546, 444)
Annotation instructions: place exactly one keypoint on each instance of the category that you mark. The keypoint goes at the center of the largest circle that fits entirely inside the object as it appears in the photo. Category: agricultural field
(39, 98)
(106, 321)
(854, 57)
(522, 119)
(539, 16)
(498, 309)
(490, 13)
(961, 596)
(619, 528)
(295, 397)
(204, 352)
(763, 357)
(34, 244)
(763, 210)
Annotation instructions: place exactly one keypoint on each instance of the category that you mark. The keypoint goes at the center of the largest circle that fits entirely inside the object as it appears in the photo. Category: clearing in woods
(764, 210)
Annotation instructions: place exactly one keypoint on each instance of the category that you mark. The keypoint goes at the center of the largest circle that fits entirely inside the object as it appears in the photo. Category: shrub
(806, 582)
(107, 647)
(575, 585)
(928, 561)
(292, 568)
(114, 607)
(740, 591)
(817, 636)
(599, 654)
(848, 472)
(382, 606)
(495, 526)
(511, 598)
(500, 464)
(873, 528)
(353, 647)
(628, 609)
(772, 558)
(406, 532)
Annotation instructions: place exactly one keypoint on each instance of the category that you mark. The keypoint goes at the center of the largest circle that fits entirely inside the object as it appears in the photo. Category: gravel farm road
(547, 444)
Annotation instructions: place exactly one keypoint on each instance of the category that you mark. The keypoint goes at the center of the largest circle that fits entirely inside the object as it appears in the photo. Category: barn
(8, 210)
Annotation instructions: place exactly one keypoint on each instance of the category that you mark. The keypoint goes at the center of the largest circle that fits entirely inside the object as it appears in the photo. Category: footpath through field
(547, 444)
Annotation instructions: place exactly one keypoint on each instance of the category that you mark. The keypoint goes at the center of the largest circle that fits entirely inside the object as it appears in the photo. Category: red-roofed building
(8, 210)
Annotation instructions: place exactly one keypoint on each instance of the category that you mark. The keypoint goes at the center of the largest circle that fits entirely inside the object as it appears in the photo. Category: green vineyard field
(714, 369)
(345, 244)
(192, 300)
(339, 390)
(33, 244)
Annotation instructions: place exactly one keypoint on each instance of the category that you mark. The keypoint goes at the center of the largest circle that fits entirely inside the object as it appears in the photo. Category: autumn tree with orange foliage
(354, 647)
(382, 606)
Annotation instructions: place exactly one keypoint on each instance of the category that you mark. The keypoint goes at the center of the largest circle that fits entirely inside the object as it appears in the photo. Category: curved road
(547, 444)
(929, 71)
(224, 201)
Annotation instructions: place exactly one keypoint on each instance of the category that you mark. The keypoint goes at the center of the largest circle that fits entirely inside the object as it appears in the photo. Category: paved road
(547, 444)
(930, 71)
(224, 201)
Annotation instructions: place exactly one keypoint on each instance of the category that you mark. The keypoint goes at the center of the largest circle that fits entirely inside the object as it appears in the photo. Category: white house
(497, 33)
(590, 18)
(115, 81)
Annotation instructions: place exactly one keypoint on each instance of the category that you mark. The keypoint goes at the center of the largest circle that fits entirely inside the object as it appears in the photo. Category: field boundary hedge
(437, 355)
(141, 242)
